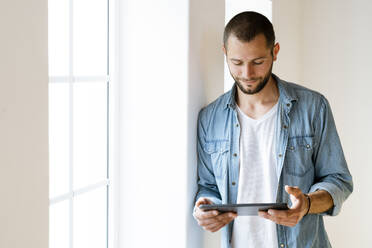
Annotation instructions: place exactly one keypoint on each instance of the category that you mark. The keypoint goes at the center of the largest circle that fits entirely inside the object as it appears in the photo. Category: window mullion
(108, 124)
(71, 60)
(80, 191)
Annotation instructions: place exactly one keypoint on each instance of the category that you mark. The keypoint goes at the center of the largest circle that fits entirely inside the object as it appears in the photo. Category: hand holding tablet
(211, 220)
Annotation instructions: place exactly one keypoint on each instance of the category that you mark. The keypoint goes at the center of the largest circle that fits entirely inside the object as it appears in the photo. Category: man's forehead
(251, 50)
(258, 41)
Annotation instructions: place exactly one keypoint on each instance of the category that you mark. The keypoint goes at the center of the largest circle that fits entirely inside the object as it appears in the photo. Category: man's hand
(211, 220)
(291, 217)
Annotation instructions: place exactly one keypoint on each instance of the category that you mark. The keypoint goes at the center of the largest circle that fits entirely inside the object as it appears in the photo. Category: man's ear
(276, 49)
(224, 50)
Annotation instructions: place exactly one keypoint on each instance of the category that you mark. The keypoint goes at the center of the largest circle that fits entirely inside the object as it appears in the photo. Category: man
(268, 140)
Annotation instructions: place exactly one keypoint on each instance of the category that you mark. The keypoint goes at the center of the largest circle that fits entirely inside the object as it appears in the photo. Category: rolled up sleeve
(331, 170)
(207, 186)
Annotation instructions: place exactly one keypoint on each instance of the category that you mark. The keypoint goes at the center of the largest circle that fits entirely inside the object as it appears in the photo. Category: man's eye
(237, 63)
(258, 62)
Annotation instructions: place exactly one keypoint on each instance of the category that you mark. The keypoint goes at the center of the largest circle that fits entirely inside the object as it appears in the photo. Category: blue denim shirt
(309, 155)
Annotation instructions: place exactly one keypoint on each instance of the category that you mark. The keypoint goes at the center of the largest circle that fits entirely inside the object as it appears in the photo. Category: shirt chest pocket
(298, 159)
(219, 155)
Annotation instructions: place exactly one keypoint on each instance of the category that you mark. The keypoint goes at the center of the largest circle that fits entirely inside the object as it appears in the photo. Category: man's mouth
(249, 81)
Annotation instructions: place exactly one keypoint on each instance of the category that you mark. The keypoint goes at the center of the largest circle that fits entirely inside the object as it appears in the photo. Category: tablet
(249, 209)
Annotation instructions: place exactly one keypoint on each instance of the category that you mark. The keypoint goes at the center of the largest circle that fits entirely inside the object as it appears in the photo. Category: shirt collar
(286, 93)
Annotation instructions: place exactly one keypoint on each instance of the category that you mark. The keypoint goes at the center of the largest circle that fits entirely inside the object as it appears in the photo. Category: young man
(267, 140)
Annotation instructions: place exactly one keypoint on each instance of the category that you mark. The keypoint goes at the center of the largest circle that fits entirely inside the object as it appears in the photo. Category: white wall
(205, 84)
(335, 39)
(23, 124)
(170, 66)
(287, 19)
(153, 85)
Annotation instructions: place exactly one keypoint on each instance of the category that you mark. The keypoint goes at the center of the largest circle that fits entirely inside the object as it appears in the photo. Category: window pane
(90, 212)
(90, 37)
(59, 225)
(90, 133)
(58, 139)
(58, 32)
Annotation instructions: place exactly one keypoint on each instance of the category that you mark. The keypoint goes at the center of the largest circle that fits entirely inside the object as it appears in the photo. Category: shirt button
(235, 155)
(280, 155)
(237, 125)
(281, 245)
(292, 148)
(307, 146)
(233, 183)
(288, 104)
(285, 126)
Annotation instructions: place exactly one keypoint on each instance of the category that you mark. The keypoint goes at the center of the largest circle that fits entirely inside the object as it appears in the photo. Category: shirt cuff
(336, 194)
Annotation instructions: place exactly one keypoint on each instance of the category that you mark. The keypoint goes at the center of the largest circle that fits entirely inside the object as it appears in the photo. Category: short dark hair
(247, 25)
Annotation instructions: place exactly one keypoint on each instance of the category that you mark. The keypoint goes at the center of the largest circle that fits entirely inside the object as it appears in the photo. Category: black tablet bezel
(244, 209)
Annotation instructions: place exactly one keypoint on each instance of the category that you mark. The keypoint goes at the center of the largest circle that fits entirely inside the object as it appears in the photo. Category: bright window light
(78, 123)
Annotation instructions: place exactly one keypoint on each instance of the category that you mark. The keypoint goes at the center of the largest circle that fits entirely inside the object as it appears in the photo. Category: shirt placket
(282, 128)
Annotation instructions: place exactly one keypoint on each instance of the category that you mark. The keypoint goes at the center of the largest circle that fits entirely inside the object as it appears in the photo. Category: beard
(260, 85)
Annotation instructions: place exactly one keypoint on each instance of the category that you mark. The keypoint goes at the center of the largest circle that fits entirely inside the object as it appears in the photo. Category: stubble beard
(261, 84)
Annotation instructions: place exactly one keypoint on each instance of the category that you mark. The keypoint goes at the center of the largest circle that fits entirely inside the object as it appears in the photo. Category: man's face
(250, 63)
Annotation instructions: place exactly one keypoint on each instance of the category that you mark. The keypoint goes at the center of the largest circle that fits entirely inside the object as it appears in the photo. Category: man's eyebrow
(263, 57)
(238, 60)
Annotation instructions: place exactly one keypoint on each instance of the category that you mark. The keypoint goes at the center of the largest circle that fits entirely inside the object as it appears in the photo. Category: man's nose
(248, 71)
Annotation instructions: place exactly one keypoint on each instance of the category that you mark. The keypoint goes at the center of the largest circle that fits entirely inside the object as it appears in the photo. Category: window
(79, 123)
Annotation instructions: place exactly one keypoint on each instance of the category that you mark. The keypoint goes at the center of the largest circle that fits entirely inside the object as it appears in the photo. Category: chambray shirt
(309, 155)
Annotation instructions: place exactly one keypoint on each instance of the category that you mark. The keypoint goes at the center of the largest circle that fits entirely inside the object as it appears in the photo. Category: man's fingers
(208, 221)
(211, 220)
(286, 218)
(225, 217)
(281, 213)
(229, 216)
(200, 214)
(215, 223)
(218, 227)
(222, 218)
(213, 226)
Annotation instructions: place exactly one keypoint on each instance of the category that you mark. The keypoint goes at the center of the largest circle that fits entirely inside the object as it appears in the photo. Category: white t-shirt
(258, 182)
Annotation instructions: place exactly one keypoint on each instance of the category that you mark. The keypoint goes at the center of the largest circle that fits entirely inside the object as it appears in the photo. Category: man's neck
(258, 104)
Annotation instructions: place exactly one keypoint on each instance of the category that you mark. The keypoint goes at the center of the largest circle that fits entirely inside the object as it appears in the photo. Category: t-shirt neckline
(267, 115)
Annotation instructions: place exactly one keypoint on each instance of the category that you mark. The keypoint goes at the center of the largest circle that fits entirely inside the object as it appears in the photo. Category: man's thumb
(295, 191)
(203, 200)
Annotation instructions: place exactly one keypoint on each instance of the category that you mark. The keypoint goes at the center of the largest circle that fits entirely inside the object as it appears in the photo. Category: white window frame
(112, 129)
